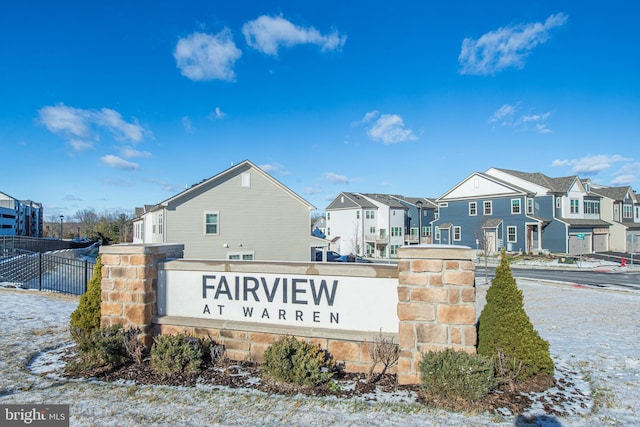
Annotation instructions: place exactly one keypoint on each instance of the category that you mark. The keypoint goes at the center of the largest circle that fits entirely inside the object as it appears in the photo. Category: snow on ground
(592, 333)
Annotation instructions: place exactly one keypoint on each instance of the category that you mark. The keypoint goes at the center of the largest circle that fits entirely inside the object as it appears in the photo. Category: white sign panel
(335, 302)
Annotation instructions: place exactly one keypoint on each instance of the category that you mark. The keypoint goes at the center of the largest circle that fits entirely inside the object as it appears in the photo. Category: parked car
(332, 256)
(353, 258)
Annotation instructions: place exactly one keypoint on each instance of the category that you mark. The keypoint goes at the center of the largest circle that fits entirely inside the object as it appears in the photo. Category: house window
(237, 256)
(328, 216)
(512, 234)
(211, 223)
(372, 230)
(437, 232)
(627, 211)
(575, 206)
(426, 231)
(328, 231)
(530, 206)
(370, 250)
(160, 224)
(246, 180)
(558, 202)
(357, 214)
(396, 231)
(436, 215)
(473, 208)
(591, 207)
(515, 206)
(369, 214)
(488, 207)
(457, 233)
(394, 250)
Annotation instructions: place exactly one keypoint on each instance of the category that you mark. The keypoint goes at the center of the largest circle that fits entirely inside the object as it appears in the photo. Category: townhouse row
(20, 217)
(243, 213)
(500, 208)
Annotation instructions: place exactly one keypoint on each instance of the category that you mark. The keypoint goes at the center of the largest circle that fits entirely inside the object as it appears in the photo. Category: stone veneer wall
(129, 284)
(436, 304)
(436, 308)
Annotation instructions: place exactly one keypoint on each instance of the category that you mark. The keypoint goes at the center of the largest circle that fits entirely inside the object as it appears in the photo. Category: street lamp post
(419, 205)
(61, 218)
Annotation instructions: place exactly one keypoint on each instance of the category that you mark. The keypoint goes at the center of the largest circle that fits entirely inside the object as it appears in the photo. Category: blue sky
(113, 105)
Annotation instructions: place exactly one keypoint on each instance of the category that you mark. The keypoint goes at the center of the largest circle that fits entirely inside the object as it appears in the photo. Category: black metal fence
(56, 272)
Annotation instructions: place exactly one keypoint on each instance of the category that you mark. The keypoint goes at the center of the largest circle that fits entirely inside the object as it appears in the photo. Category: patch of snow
(591, 334)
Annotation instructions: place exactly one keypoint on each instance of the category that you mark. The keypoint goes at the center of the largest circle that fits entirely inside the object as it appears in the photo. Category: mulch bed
(247, 375)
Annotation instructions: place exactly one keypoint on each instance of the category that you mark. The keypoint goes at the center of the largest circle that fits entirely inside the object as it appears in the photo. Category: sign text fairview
(279, 291)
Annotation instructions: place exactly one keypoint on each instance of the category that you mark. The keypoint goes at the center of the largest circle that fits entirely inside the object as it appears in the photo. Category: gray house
(242, 213)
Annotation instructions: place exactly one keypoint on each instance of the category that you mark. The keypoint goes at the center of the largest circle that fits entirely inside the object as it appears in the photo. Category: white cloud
(80, 144)
(217, 114)
(201, 56)
(623, 180)
(623, 169)
(66, 120)
(121, 130)
(130, 152)
(388, 128)
(81, 128)
(506, 116)
(267, 34)
(334, 178)
(119, 163)
(272, 168)
(506, 47)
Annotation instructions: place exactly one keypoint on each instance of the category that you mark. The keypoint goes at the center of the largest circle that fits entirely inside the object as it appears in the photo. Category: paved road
(601, 279)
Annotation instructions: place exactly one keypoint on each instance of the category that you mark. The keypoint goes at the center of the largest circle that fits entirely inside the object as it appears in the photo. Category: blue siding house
(520, 211)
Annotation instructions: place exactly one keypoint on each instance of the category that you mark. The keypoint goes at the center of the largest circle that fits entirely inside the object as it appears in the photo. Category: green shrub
(298, 362)
(505, 329)
(177, 353)
(86, 317)
(103, 347)
(456, 374)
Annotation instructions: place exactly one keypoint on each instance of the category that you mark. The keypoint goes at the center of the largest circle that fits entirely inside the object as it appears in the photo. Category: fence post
(86, 276)
(40, 271)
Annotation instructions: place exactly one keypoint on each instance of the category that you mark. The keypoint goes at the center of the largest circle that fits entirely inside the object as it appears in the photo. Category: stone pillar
(436, 304)
(129, 284)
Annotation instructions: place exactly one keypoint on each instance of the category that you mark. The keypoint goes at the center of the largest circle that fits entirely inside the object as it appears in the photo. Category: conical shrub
(504, 327)
(86, 317)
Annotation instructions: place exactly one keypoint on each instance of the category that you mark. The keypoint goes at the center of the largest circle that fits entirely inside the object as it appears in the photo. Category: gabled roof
(356, 199)
(426, 203)
(615, 193)
(385, 199)
(555, 185)
(507, 188)
(223, 176)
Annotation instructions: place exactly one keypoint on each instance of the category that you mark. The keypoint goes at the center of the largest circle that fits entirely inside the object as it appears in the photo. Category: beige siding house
(242, 213)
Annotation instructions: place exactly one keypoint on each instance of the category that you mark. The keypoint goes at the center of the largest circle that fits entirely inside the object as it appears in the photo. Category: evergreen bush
(505, 329)
(171, 354)
(103, 347)
(86, 317)
(298, 362)
(451, 374)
